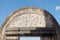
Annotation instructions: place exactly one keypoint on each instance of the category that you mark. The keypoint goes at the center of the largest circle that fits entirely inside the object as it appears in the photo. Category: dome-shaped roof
(30, 17)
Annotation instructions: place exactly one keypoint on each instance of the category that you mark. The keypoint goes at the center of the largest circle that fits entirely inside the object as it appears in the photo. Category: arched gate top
(30, 17)
(29, 21)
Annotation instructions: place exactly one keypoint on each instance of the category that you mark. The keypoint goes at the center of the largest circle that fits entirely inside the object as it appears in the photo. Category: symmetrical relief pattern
(30, 18)
(27, 21)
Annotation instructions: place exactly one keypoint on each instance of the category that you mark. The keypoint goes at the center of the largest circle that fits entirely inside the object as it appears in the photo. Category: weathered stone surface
(29, 20)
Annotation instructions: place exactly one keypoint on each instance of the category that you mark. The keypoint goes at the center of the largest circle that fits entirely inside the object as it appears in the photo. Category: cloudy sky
(57, 8)
(8, 6)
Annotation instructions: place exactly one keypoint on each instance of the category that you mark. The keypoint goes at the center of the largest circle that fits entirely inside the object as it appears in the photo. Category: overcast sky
(8, 6)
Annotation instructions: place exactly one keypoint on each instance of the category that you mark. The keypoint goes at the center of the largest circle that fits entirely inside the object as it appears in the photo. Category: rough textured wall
(28, 17)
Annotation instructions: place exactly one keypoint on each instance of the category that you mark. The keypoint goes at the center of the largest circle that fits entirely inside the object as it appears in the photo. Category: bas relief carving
(31, 18)
(27, 19)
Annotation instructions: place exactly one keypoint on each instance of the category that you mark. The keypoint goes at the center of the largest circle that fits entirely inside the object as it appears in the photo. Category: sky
(9, 6)
(29, 38)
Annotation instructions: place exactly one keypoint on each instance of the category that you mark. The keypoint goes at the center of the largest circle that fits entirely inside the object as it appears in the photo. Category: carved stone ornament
(31, 17)
(29, 21)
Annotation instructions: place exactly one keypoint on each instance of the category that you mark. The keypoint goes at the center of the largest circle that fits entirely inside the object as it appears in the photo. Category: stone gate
(30, 21)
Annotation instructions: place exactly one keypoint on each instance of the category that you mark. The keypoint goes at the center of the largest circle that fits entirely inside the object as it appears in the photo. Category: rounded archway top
(30, 17)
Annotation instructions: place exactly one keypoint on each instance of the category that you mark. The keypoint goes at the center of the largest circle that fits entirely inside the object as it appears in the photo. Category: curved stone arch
(10, 15)
(4, 26)
(15, 12)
